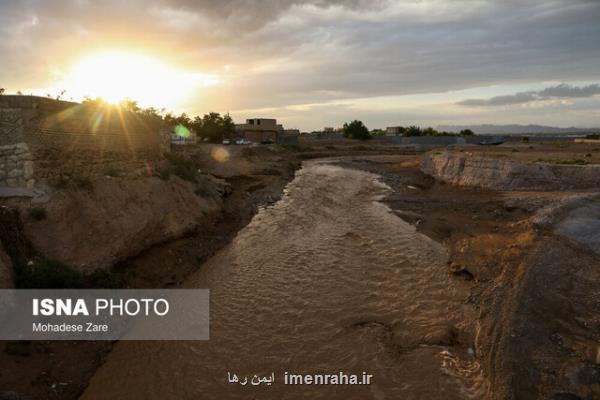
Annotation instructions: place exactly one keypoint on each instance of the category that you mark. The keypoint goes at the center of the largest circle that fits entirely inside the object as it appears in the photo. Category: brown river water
(326, 280)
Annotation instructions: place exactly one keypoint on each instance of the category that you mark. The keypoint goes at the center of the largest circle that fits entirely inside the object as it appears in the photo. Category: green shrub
(182, 167)
(48, 274)
(202, 191)
(112, 172)
(83, 182)
(37, 213)
(60, 183)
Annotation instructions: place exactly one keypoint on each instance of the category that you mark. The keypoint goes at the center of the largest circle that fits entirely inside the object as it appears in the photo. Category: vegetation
(356, 130)
(78, 182)
(112, 172)
(202, 191)
(212, 127)
(37, 213)
(414, 130)
(181, 166)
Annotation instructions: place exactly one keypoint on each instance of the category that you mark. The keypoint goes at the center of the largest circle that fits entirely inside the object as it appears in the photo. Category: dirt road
(326, 280)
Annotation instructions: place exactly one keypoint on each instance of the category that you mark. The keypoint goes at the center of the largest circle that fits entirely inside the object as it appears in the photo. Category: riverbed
(326, 280)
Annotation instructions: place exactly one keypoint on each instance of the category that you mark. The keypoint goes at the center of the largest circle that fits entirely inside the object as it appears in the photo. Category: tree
(356, 130)
(213, 126)
(430, 132)
(130, 105)
(466, 132)
(2, 90)
(412, 131)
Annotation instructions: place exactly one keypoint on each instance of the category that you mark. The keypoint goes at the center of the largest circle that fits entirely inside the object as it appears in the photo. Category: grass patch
(181, 166)
(83, 182)
(37, 213)
(202, 191)
(112, 172)
(61, 183)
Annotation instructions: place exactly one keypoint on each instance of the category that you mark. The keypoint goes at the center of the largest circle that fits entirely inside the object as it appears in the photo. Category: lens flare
(182, 132)
(220, 154)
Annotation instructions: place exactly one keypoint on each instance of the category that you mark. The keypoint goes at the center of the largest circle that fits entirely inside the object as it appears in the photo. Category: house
(394, 130)
(259, 130)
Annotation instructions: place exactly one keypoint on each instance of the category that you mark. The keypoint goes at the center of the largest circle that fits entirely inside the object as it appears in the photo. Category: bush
(356, 130)
(112, 172)
(181, 166)
(83, 182)
(37, 213)
(202, 191)
(48, 274)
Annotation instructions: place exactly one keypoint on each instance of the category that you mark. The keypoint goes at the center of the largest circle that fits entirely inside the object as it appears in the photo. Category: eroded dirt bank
(168, 226)
(535, 290)
(327, 279)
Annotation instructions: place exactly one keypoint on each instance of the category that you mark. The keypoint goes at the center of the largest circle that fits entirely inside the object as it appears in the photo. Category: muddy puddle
(326, 280)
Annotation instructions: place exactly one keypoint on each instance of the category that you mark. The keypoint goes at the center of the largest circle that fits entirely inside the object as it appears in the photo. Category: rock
(465, 169)
(15, 173)
(461, 271)
(28, 169)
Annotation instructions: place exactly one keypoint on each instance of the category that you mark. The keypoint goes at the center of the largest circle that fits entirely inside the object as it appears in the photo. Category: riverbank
(60, 369)
(535, 330)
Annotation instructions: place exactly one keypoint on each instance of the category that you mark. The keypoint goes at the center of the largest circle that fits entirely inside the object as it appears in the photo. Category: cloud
(281, 53)
(562, 91)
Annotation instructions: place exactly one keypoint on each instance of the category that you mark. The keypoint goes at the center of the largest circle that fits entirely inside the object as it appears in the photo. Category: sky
(316, 63)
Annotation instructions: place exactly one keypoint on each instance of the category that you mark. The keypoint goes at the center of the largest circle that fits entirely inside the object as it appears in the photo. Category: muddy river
(326, 280)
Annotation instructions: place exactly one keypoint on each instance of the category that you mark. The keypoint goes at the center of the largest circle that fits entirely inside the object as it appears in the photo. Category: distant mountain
(515, 129)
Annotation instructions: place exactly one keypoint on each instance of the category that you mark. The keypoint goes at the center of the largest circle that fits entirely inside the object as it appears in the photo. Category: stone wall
(42, 137)
(16, 166)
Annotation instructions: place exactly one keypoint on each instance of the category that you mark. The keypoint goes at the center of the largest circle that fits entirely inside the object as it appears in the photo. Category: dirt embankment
(535, 290)
(148, 231)
(468, 169)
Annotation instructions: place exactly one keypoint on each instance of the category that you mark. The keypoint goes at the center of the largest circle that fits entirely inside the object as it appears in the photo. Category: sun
(119, 75)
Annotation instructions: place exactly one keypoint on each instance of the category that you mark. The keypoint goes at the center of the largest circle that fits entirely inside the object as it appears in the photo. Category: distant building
(258, 129)
(266, 129)
(394, 130)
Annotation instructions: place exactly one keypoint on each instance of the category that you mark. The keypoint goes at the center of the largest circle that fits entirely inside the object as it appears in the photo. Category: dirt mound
(466, 169)
(118, 218)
